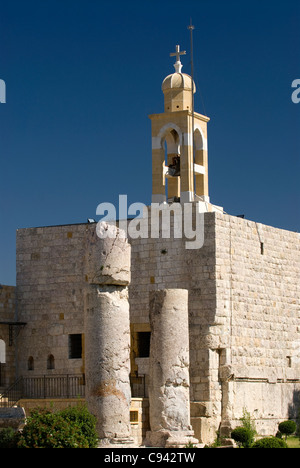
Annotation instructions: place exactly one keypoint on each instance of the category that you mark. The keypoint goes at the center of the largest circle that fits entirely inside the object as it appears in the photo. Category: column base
(117, 442)
(171, 439)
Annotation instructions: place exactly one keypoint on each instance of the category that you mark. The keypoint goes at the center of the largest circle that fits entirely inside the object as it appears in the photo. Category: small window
(134, 417)
(50, 362)
(75, 346)
(143, 344)
(30, 364)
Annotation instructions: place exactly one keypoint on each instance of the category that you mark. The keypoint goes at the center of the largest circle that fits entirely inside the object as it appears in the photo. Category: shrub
(70, 428)
(84, 420)
(243, 436)
(8, 438)
(287, 427)
(248, 423)
(270, 442)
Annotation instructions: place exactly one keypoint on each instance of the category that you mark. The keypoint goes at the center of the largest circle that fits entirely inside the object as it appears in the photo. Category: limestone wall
(167, 264)
(244, 323)
(244, 318)
(7, 335)
(258, 294)
(51, 280)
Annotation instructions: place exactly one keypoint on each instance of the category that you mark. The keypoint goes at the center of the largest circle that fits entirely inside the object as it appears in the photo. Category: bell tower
(179, 143)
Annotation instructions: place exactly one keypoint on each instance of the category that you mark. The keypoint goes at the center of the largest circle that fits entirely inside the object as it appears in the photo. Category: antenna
(191, 28)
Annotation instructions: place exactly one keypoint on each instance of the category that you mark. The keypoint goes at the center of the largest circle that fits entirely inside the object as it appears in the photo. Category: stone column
(169, 370)
(107, 333)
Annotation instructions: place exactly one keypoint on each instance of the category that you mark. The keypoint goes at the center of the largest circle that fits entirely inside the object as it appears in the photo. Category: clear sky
(83, 76)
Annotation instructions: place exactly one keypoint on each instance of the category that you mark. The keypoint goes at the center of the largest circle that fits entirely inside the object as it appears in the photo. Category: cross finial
(178, 64)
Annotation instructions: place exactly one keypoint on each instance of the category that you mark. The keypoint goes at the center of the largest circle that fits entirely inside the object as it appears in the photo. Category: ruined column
(169, 370)
(107, 333)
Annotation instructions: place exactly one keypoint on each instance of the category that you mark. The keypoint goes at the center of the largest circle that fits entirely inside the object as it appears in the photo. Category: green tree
(287, 427)
(242, 436)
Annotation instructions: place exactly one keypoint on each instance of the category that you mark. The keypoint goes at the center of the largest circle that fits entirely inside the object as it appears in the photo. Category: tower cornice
(164, 115)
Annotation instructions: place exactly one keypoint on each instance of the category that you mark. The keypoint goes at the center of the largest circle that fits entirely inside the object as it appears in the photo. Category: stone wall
(50, 297)
(166, 264)
(7, 335)
(258, 295)
(244, 323)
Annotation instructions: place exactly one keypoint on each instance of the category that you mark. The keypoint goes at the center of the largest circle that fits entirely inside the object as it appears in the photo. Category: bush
(248, 423)
(85, 421)
(270, 442)
(243, 436)
(70, 428)
(8, 438)
(287, 428)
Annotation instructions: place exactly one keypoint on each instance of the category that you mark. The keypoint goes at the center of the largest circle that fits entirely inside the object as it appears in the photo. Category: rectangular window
(75, 346)
(143, 344)
(134, 417)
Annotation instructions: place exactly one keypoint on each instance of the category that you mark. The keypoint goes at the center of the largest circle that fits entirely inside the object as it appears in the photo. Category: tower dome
(178, 81)
(178, 87)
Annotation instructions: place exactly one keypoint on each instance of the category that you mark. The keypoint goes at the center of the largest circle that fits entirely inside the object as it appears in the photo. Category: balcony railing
(58, 386)
(45, 386)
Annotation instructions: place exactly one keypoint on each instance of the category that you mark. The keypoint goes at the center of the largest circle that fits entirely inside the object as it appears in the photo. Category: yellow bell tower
(179, 143)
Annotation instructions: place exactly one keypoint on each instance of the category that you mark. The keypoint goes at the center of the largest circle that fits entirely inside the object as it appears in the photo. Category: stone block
(12, 417)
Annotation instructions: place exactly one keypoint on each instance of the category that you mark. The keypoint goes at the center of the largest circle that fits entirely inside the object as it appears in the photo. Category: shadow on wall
(294, 407)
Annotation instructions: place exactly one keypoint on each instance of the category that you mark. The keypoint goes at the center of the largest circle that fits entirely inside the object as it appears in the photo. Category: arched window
(30, 364)
(50, 362)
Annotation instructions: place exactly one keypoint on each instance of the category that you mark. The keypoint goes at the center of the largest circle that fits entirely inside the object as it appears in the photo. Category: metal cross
(178, 64)
(178, 53)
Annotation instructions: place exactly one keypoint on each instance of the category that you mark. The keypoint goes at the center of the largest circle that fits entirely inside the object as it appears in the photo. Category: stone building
(8, 328)
(208, 332)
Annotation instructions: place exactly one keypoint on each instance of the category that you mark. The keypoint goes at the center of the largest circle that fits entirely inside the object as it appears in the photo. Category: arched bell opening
(172, 165)
(200, 167)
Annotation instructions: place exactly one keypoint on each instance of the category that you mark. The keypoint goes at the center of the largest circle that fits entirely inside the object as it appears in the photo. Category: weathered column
(107, 333)
(169, 370)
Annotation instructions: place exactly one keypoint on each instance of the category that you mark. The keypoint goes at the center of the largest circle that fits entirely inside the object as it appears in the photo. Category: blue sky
(83, 76)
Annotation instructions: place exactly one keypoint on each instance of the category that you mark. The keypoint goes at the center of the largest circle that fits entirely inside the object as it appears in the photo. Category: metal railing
(59, 386)
(12, 394)
(44, 386)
